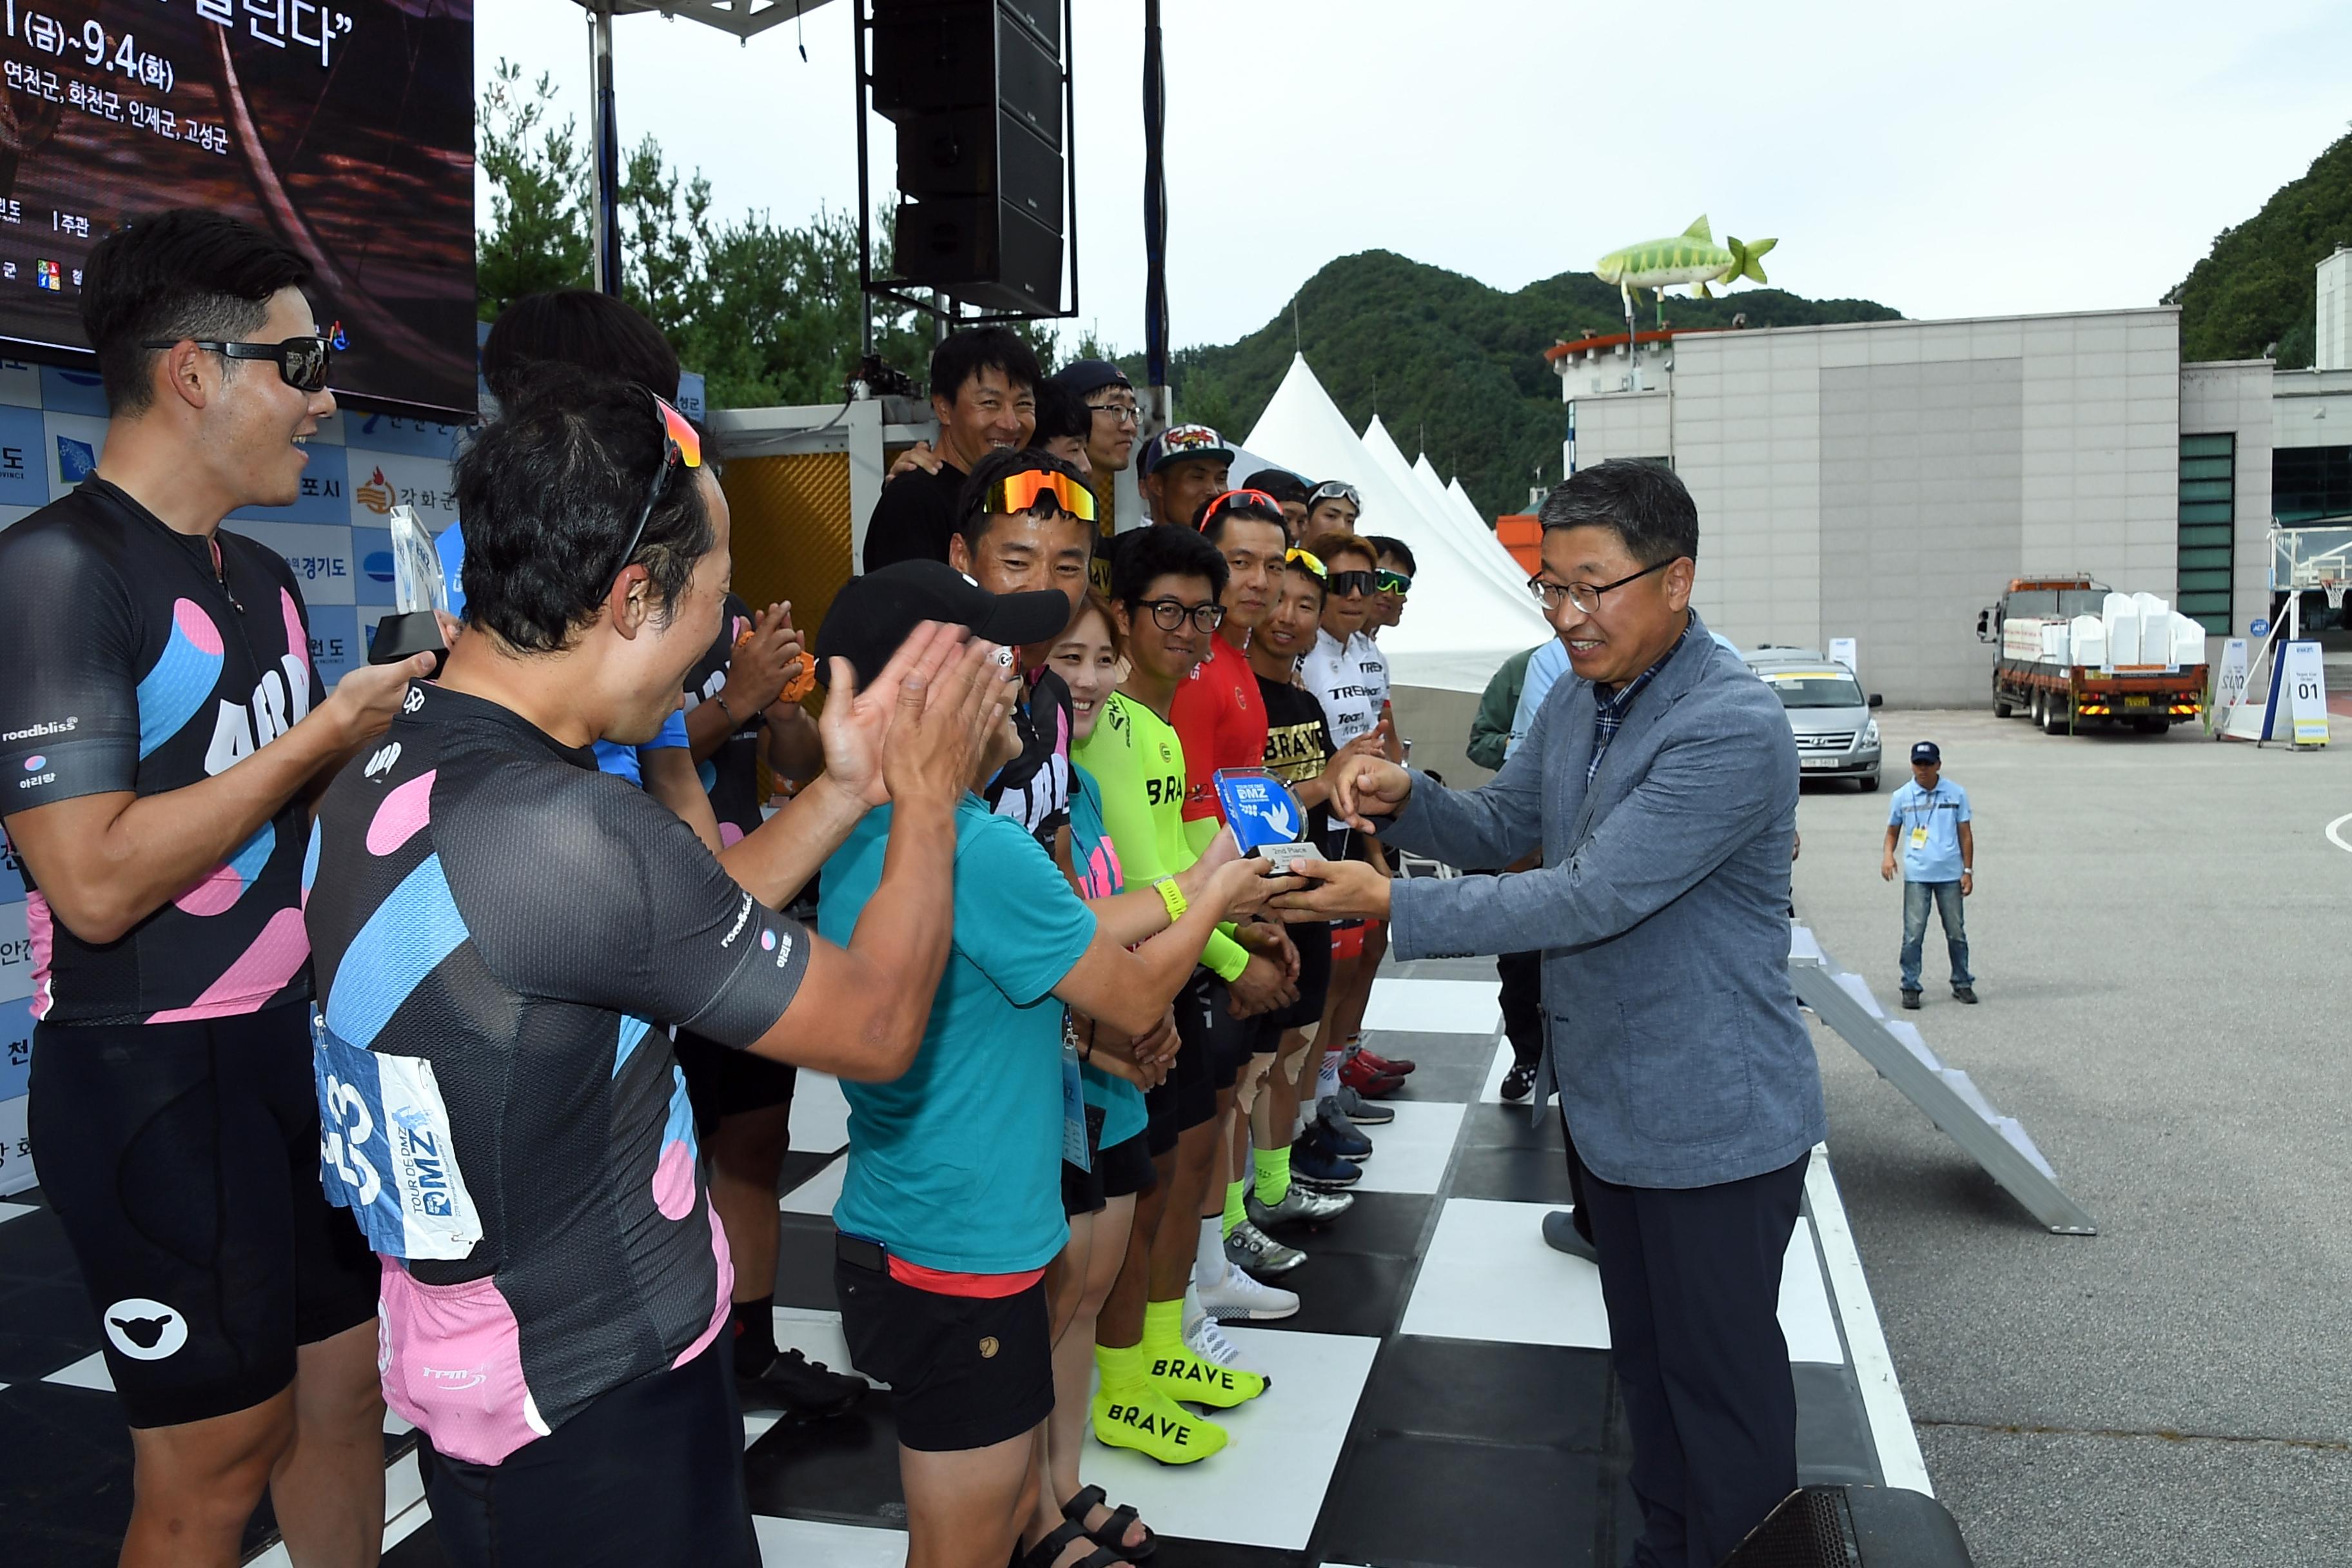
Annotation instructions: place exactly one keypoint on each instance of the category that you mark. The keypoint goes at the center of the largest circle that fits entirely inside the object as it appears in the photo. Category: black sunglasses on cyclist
(301, 362)
(1348, 584)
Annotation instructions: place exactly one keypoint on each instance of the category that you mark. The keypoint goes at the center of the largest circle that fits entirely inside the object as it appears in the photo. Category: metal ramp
(1841, 999)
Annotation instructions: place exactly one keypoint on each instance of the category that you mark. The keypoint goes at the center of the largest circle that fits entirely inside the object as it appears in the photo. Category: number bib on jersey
(385, 1154)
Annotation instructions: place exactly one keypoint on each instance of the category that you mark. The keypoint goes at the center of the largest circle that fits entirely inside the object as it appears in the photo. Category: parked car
(1836, 736)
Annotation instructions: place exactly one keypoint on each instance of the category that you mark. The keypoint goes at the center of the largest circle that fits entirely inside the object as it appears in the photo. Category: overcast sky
(1947, 161)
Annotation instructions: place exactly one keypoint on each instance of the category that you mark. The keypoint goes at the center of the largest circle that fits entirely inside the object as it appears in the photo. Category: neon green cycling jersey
(1135, 756)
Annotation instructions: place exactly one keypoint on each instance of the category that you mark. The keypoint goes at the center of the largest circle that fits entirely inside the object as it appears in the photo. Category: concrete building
(1884, 480)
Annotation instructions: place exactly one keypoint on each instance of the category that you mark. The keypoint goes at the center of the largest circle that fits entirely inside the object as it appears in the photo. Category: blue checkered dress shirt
(1609, 712)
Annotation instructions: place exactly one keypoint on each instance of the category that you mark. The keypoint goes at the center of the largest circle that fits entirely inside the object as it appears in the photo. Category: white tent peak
(1461, 623)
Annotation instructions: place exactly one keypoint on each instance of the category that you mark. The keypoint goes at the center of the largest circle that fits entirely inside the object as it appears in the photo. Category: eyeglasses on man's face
(1169, 614)
(1585, 597)
(1122, 413)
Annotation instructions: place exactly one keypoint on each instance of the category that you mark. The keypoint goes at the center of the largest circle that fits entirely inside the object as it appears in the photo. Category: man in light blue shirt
(1929, 820)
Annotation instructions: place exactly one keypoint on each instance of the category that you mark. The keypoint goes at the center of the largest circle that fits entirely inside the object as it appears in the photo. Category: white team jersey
(1352, 681)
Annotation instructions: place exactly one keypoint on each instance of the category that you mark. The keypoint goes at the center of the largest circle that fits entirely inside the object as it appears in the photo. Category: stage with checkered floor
(1444, 1397)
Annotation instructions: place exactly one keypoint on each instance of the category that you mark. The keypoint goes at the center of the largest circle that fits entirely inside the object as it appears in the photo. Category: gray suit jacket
(1663, 911)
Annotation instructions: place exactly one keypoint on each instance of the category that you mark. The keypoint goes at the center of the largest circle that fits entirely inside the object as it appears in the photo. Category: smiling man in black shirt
(164, 733)
(984, 395)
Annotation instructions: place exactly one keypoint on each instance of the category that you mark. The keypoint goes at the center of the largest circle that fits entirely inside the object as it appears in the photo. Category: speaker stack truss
(978, 92)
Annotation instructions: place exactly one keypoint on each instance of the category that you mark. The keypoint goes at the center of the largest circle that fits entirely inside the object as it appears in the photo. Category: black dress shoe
(1967, 994)
(1559, 1234)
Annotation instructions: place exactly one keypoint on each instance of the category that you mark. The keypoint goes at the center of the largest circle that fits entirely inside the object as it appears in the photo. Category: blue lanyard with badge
(1926, 807)
(1073, 1099)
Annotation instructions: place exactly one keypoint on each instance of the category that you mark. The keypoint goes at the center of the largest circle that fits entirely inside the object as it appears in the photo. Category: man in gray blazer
(1660, 784)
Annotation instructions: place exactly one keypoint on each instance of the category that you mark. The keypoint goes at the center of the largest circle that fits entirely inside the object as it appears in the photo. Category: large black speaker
(983, 251)
(1853, 1527)
(975, 87)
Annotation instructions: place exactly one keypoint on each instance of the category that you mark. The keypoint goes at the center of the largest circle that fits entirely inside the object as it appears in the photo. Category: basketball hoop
(2334, 589)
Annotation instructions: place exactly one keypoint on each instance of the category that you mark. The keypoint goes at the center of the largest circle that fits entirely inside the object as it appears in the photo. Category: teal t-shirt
(1096, 861)
(958, 1164)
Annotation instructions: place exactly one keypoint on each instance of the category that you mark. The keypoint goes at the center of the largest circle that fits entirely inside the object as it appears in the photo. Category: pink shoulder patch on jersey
(406, 809)
(41, 936)
(197, 626)
(297, 641)
(216, 894)
(260, 972)
(729, 834)
(451, 1357)
(722, 1312)
(674, 1180)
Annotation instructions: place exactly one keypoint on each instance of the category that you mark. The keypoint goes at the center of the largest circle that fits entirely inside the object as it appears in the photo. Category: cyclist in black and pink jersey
(506, 935)
(164, 732)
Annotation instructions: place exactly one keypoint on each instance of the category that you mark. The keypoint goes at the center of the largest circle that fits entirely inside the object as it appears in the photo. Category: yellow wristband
(1173, 896)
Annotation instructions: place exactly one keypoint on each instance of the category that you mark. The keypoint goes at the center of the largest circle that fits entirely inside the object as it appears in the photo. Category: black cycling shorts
(1120, 1170)
(1160, 1105)
(183, 1161)
(1313, 940)
(651, 1472)
(722, 1081)
(1226, 1043)
(964, 1371)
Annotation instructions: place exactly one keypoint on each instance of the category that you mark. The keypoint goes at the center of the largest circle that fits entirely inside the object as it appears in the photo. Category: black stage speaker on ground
(1853, 1527)
(975, 87)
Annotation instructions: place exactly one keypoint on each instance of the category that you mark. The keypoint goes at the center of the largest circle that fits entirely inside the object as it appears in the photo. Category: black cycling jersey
(1297, 748)
(731, 776)
(501, 933)
(1033, 789)
(145, 660)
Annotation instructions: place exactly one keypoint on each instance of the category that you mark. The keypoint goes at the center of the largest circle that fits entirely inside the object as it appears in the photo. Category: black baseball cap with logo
(875, 613)
(1926, 752)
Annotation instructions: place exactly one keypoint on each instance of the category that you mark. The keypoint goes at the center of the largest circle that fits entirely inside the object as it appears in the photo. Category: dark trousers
(1523, 1019)
(651, 1473)
(1692, 1281)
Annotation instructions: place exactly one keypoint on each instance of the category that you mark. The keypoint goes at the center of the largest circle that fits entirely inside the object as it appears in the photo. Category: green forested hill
(1449, 363)
(2255, 289)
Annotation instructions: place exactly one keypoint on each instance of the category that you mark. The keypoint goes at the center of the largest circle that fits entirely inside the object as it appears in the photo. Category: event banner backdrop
(52, 427)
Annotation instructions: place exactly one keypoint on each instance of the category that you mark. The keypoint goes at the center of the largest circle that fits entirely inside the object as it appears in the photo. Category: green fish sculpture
(1691, 257)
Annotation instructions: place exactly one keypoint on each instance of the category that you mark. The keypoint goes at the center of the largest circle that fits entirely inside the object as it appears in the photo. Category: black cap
(1086, 376)
(872, 616)
(1924, 751)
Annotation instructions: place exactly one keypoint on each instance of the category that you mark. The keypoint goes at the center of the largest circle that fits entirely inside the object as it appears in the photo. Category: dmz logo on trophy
(1265, 817)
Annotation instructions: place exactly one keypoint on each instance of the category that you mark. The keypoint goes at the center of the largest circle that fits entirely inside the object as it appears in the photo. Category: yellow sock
(1234, 1213)
(1273, 1174)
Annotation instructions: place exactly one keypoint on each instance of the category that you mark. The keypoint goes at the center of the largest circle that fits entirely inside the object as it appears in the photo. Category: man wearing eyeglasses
(984, 395)
(1661, 784)
(166, 735)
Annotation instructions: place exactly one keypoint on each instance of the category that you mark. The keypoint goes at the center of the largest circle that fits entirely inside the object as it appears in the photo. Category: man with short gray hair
(1659, 782)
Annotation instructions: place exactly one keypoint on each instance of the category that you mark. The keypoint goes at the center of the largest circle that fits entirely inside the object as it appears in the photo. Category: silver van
(1836, 736)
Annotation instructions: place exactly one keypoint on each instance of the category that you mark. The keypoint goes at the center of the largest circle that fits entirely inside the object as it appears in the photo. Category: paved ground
(2158, 937)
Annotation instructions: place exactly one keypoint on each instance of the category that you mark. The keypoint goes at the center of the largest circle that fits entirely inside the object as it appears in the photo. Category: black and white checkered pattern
(1444, 1395)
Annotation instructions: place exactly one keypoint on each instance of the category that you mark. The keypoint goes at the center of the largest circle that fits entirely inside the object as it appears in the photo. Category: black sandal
(1111, 1536)
(1047, 1552)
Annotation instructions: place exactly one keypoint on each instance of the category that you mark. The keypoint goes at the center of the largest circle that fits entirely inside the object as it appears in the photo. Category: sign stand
(1842, 1001)
(2304, 678)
